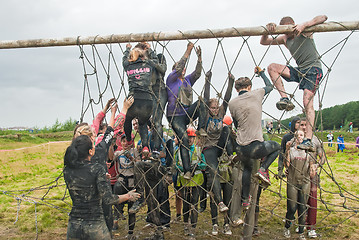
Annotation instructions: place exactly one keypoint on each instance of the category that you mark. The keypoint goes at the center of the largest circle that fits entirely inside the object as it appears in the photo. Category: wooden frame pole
(177, 35)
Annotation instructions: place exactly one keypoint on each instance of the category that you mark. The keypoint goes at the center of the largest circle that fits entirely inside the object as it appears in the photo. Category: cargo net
(175, 207)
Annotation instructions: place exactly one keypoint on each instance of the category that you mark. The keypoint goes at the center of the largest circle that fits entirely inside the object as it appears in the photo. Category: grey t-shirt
(304, 52)
(124, 165)
(246, 109)
(299, 167)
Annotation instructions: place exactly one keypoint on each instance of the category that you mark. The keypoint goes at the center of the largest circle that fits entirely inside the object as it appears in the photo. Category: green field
(36, 169)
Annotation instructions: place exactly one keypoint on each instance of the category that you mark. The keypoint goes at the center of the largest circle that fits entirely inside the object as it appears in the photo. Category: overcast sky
(40, 85)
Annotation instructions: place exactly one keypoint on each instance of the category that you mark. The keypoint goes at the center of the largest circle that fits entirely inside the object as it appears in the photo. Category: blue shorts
(307, 78)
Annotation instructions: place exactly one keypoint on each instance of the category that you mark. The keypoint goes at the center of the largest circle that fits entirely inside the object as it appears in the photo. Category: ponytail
(135, 54)
(77, 151)
(82, 129)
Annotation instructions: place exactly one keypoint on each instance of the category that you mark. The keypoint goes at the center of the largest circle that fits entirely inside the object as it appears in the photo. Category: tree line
(334, 118)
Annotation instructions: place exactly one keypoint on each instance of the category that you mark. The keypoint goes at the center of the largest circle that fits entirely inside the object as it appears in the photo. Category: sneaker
(227, 230)
(286, 233)
(190, 233)
(312, 234)
(246, 204)
(136, 207)
(297, 229)
(255, 232)
(222, 207)
(156, 154)
(131, 236)
(301, 236)
(187, 176)
(237, 222)
(263, 175)
(285, 104)
(215, 230)
(306, 145)
(149, 226)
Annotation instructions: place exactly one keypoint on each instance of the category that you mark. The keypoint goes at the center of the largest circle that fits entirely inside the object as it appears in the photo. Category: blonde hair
(135, 54)
(83, 129)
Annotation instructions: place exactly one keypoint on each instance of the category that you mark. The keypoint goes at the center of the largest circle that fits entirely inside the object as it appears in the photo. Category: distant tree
(336, 116)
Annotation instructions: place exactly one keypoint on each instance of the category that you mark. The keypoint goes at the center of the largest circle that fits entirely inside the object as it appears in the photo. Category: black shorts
(307, 78)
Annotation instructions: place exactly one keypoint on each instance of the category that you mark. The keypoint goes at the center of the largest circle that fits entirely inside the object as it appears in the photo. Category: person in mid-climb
(139, 65)
(246, 110)
(159, 103)
(217, 136)
(180, 110)
(308, 73)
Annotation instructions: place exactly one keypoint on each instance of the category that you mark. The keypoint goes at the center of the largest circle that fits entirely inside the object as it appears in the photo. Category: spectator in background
(340, 141)
(330, 139)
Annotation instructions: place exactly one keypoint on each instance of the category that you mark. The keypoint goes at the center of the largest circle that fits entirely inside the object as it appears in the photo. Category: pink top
(118, 126)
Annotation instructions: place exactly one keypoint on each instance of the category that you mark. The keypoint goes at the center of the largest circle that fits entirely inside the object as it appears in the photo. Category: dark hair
(123, 136)
(77, 151)
(103, 126)
(141, 45)
(212, 100)
(242, 82)
(161, 58)
(286, 21)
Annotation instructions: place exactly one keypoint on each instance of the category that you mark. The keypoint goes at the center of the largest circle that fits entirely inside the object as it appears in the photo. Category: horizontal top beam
(176, 35)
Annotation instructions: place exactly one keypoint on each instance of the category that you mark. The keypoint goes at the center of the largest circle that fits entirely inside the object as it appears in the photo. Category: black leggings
(159, 103)
(211, 154)
(179, 126)
(122, 188)
(190, 204)
(147, 178)
(268, 150)
(227, 195)
(142, 110)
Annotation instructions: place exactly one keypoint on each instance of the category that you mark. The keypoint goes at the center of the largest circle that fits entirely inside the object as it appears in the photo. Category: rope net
(105, 78)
